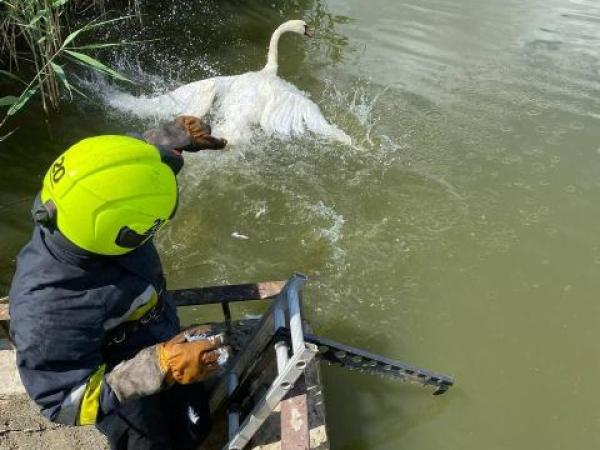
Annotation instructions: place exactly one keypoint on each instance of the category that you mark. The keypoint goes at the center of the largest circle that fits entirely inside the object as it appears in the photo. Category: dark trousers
(177, 418)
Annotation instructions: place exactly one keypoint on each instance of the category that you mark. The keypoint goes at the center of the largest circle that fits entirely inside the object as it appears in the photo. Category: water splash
(239, 105)
(332, 234)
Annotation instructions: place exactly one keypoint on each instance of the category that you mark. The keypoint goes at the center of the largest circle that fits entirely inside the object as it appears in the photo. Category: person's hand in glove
(176, 360)
(200, 133)
(187, 362)
(185, 133)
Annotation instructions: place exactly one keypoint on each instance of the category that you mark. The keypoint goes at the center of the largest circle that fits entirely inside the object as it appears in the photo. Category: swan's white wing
(289, 112)
(191, 99)
(196, 99)
(239, 107)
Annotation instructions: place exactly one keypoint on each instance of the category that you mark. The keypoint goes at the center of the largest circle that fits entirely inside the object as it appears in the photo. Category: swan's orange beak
(308, 32)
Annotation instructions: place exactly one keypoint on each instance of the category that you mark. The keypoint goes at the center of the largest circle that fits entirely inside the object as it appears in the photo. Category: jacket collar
(142, 261)
(67, 252)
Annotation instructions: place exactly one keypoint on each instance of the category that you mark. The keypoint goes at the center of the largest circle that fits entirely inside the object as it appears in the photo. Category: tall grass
(36, 40)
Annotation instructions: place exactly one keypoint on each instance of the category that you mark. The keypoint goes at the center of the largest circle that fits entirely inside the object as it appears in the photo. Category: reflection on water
(459, 232)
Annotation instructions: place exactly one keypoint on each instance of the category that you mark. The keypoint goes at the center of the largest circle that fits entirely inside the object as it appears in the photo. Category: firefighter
(95, 328)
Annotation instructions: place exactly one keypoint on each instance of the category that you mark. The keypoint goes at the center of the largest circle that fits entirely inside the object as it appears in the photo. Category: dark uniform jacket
(75, 315)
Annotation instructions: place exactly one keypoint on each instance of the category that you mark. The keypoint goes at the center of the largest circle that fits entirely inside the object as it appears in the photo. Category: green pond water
(459, 232)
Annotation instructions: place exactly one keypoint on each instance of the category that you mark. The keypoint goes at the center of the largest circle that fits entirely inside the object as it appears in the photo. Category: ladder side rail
(296, 327)
(258, 342)
(278, 389)
(288, 370)
(244, 359)
(233, 416)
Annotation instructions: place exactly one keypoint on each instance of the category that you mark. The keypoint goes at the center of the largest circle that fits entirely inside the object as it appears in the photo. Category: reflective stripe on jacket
(63, 302)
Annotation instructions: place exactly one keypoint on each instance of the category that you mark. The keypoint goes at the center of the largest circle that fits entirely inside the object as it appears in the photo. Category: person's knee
(138, 425)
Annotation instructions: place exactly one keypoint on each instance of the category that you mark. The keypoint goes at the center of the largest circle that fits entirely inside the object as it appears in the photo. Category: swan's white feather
(194, 99)
(288, 112)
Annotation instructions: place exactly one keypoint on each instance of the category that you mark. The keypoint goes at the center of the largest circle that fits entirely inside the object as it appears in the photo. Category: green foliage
(95, 64)
(38, 26)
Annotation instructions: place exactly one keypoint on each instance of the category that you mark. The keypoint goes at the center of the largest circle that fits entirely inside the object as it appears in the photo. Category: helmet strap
(129, 238)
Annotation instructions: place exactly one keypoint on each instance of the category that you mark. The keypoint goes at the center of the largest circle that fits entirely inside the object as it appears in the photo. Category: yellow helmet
(110, 194)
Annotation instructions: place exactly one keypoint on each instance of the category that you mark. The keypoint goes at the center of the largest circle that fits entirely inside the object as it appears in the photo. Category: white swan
(241, 102)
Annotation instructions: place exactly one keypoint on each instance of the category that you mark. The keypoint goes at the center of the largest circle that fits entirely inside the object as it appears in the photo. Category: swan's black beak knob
(308, 32)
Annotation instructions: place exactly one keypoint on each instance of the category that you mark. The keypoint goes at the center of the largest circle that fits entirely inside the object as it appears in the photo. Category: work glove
(185, 360)
(185, 133)
(174, 361)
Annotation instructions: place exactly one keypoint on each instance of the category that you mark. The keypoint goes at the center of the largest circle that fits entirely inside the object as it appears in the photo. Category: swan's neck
(272, 65)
